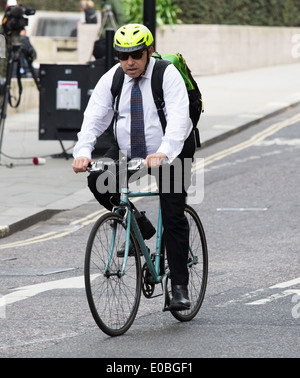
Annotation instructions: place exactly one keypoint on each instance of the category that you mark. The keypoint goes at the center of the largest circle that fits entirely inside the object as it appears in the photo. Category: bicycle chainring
(147, 288)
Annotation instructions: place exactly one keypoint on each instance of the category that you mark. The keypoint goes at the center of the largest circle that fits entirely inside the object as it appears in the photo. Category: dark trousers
(176, 227)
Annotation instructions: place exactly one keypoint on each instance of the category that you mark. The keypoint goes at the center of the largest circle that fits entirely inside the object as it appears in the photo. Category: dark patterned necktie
(138, 143)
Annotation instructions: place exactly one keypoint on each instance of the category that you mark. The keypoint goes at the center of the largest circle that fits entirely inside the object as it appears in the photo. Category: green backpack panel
(195, 97)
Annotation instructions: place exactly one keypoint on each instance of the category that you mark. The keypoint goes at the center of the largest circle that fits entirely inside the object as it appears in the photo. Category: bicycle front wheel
(113, 299)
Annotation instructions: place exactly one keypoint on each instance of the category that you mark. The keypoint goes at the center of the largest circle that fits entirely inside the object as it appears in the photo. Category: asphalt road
(250, 212)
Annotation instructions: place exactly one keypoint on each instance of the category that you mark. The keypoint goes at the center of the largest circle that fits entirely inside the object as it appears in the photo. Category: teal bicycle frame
(131, 221)
(107, 297)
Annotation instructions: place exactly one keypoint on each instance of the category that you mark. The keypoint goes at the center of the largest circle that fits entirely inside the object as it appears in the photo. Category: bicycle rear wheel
(197, 266)
(113, 299)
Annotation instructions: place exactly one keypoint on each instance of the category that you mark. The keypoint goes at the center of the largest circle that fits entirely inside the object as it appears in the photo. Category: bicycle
(114, 284)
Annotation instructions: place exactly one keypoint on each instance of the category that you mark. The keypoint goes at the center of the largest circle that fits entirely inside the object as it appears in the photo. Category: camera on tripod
(19, 53)
(14, 21)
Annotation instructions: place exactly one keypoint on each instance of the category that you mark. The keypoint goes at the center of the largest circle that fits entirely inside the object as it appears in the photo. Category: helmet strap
(148, 60)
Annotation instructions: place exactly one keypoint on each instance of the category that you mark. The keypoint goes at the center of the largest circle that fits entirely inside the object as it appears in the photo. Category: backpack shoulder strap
(157, 90)
(116, 89)
(117, 85)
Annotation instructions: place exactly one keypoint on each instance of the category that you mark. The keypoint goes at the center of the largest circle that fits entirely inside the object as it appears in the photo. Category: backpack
(162, 61)
(195, 97)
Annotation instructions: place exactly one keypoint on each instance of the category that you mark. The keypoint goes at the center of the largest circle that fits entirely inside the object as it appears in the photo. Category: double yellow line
(91, 218)
(252, 141)
(38, 239)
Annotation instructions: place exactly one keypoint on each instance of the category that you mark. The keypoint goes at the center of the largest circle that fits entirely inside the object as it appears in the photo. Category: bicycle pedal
(113, 223)
(121, 251)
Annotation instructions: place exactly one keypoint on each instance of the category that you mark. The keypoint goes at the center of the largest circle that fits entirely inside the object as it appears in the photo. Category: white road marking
(242, 209)
(270, 298)
(285, 284)
(276, 296)
(279, 142)
(262, 292)
(26, 292)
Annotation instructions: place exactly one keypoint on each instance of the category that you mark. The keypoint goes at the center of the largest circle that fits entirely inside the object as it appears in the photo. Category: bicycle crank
(147, 287)
(166, 296)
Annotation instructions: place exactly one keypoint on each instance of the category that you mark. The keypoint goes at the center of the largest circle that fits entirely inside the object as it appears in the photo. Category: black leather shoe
(180, 300)
(121, 251)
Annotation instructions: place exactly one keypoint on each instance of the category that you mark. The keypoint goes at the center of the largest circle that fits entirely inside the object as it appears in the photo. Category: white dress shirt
(99, 113)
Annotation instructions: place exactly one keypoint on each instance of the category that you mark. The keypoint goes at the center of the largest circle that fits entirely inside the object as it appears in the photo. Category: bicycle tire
(198, 272)
(113, 299)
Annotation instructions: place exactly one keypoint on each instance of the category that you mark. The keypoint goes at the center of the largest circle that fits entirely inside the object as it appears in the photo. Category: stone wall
(208, 49)
(215, 49)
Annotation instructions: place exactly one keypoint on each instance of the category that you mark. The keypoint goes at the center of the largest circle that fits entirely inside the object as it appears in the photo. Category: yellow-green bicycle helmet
(132, 37)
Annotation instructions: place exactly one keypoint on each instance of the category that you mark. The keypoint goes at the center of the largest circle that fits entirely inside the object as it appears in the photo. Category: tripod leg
(34, 75)
(1, 133)
(9, 72)
(113, 21)
(103, 23)
(64, 153)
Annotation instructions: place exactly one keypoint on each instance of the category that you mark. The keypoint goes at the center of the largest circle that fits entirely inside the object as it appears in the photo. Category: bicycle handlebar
(102, 165)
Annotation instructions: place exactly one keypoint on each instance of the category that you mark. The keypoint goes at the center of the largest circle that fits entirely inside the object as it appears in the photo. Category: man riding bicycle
(139, 132)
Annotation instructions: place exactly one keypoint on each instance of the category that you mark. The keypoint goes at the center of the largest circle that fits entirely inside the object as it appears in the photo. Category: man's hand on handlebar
(80, 164)
(155, 160)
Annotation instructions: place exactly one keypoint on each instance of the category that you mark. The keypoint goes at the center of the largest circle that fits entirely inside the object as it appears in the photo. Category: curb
(6, 230)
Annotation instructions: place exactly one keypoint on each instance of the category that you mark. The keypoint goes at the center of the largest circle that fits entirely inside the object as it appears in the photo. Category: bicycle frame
(131, 222)
(114, 297)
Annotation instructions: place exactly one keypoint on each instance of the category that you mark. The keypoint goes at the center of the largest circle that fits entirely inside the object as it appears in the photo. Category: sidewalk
(31, 193)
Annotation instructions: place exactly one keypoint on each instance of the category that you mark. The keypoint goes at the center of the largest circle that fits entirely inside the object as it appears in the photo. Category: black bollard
(110, 54)
(150, 16)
